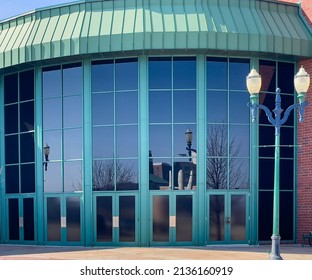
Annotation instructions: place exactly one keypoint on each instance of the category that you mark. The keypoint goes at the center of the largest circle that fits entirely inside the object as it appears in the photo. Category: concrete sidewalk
(25, 252)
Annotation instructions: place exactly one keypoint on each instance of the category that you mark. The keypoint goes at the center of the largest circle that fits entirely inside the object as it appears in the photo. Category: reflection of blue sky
(52, 113)
(216, 73)
(126, 72)
(101, 102)
(160, 106)
(184, 106)
(72, 143)
(53, 177)
(126, 107)
(239, 111)
(72, 111)
(159, 71)
(54, 139)
(60, 113)
(217, 106)
(118, 108)
(184, 73)
(103, 77)
(160, 140)
(70, 75)
(239, 134)
(176, 105)
(127, 141)
(73, 176)
(52, 83)
(103, 142)
(238, 70)
(172, 108)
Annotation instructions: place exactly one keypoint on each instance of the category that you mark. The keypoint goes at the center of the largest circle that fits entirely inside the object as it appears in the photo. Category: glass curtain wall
(115, 125)
(172, 146)
(62, 127)
(276, 74)
(20, 154)
(115, 148)
(62, 88)
(172, 156)
(227, 148)
(227, 124)
(172, 112)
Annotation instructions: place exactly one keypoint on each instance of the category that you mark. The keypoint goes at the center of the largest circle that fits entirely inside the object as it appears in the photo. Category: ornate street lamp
(188, 139)
(302, 83)
(46, 152)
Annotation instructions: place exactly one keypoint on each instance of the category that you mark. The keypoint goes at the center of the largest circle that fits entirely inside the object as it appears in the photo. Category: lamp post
(301, 83)
(46, 152)
(188, 139)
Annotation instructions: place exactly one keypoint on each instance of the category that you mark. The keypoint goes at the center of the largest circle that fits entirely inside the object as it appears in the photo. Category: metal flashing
(90, 27)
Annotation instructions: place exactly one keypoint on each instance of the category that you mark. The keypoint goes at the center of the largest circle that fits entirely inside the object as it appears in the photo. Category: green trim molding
(142, 26)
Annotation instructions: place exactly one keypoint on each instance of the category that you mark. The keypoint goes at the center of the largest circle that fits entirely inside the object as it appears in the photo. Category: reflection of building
(105, 82)
(162, 170)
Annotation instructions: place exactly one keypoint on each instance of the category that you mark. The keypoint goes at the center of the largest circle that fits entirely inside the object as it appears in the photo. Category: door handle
(227, 220)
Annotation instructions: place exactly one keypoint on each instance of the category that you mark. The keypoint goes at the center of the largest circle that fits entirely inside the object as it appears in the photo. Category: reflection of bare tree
(104, 175)
(218, 149)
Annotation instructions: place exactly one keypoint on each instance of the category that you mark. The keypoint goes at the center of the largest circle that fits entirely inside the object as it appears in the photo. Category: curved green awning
(87, 27)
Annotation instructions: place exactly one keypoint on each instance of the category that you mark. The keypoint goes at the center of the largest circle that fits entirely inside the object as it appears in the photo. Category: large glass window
(19, 132)
(115, 124)
(62, 127)
(172, 112)
(276, 74)
(227, 124)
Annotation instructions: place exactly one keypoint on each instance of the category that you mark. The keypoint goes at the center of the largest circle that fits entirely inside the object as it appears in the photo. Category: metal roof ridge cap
(303, 18)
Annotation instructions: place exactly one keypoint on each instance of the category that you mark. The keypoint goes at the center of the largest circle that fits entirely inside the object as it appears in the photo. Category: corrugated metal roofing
(142, 25)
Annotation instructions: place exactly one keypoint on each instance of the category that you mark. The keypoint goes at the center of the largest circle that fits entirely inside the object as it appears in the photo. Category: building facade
(143, 105)
(304, 155)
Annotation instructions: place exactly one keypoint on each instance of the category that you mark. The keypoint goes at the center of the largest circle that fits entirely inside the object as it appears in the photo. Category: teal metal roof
(87, 27)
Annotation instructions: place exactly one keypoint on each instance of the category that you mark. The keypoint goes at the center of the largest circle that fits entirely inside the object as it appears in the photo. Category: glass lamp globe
(253, 82)
(302, 81)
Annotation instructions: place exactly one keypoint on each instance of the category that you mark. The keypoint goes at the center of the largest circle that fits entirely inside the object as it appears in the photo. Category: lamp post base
(275, 252)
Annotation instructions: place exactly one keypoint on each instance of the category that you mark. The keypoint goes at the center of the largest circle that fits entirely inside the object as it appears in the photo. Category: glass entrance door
(228, 218)
(116, 219)
(21, 219)
(63, 219)
(173, 219)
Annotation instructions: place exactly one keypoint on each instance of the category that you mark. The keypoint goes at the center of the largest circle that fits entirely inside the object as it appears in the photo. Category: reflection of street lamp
(46, 152)
(301, 82)
(188, 139)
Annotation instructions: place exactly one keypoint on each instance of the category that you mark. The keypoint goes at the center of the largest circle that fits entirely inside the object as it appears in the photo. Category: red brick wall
(305, 152)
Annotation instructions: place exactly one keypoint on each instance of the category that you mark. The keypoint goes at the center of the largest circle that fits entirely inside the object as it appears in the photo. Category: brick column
(305, 152)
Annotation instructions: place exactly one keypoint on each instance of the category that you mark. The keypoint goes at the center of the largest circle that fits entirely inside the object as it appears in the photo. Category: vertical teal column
(2, 162)
(254, 159)
(276, 184)
(87, 154)
(143, 152)
(39, 157)
(201, 148)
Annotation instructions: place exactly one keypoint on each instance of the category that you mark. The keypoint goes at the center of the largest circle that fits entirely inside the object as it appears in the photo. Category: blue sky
(10, 8)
